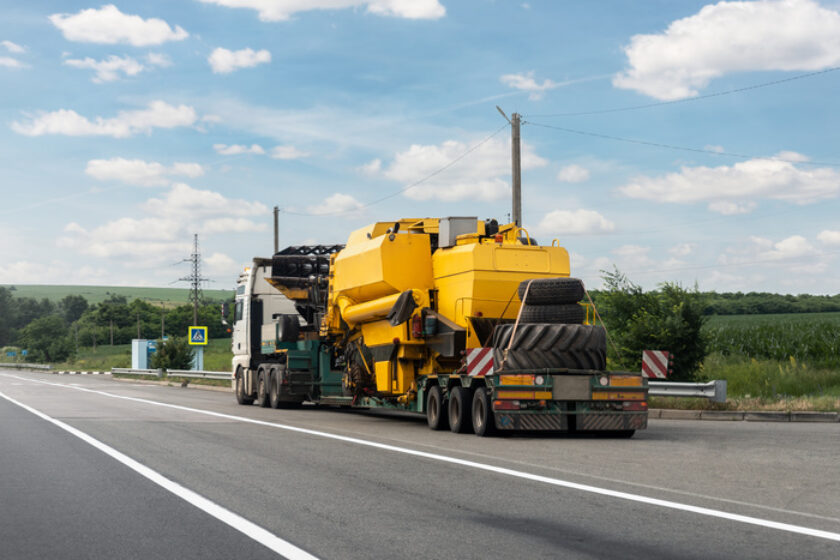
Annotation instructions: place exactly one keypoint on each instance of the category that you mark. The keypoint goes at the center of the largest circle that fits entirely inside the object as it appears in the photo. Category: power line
(680, 148)
(688, 99)
(411, 186)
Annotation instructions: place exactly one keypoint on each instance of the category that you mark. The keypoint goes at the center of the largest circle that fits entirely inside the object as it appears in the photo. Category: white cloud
(829, 237)
(282, 10)
(221, 265)
(337, 203)
(574, 222)
(224, 61)
(682, 249)
(183, 200)
(484, 175)
(573, 174)
(158, 59)
(158, 114)
(796, 248)
(107, 70)
(139, 172)
(236, 149)
(13, 47)
(734, 189)
(108, 25)
(287, 152)
(731, 37)
(10, 62)
(526, 82)
(28, 272)
(714, 148)
(372, 167)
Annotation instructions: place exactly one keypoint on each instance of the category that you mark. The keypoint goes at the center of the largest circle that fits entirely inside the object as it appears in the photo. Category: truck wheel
(482, 413)
(262, 390)
(570, 313)
(552, 290)
(435, 411)
(273, 389)
(460, 421)
(241, 398)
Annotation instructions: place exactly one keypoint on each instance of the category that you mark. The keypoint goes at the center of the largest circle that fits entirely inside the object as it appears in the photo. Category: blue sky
(127, 127)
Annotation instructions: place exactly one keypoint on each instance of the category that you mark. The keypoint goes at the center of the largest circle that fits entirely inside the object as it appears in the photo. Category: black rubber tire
(546, 345)
(273, 389)
(262, 389)
(552, 290)
(436, 415)
(460, 410)
(571, 313)
(241, 398)
(483, 421)
(288, 328)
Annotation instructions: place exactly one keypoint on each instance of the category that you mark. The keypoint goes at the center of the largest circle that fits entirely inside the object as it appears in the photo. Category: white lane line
(798, 529)
(249, 529)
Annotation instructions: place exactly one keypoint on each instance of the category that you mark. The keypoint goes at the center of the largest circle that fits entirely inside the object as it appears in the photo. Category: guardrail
(25, 365)
(714, 390)
(199, 374)
(129, 371)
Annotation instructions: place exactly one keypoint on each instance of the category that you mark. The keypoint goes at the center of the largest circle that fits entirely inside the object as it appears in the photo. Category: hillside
(168, 297)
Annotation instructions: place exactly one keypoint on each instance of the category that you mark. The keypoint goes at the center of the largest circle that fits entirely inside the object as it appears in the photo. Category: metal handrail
(713, 390)
(130, 371)
(199, 374)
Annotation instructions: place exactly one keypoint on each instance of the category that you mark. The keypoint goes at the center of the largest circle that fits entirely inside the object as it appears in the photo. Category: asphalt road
(360, 485)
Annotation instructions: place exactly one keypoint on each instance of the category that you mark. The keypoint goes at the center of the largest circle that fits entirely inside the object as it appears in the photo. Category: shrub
(173, 353)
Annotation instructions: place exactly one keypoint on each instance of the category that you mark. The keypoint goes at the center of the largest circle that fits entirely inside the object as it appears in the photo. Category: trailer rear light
(524, 395)
(626, 380)
(539, 380)
(522, 379)
(635, 406)
(505, 405)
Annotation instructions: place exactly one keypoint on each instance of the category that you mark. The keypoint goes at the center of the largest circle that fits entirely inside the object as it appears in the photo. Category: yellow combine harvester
(426, 315)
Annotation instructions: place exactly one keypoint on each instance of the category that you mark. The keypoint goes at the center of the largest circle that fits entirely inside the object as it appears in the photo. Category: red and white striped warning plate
(479, 362)
(655, 363)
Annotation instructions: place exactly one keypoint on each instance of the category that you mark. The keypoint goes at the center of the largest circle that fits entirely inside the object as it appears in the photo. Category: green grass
(771, 318)
(217, 357)
(168, 297)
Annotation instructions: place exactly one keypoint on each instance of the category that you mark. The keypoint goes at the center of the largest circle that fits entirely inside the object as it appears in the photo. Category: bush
(670, 319)
(173, 353)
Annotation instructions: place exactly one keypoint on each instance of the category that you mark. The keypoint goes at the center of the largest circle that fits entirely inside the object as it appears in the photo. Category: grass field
(167, 297)
(217, 357)
(771, 319)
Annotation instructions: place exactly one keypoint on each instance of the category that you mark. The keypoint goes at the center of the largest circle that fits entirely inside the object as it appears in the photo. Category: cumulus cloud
(787, 35)
(108, 69)
(372, 167)
(486, 175)
(734, 189)
(158, 114)
(183, 200)
(526, 82)
(236, 149)
(13, 47)
(682, 249)
(760, 250)
(139, 172)
(224, 61)
(29, 272)
(829, 237)
(573, 174)
(574, 222)
(9, 62)
(108, 25)
(287, 152)
(282, 10)
(337, 203)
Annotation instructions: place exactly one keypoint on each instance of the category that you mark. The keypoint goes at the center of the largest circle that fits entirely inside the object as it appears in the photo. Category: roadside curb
(740, 415)
(62, 372)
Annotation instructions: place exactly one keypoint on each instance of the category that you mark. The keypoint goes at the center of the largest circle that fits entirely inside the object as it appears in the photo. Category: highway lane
(338, 499)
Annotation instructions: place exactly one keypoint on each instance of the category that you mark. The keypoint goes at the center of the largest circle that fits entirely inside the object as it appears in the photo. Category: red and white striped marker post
(479, 362)
(655, 363)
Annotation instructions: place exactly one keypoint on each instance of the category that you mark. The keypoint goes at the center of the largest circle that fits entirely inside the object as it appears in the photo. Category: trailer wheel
(482, 413)
(262, 390)
(241, 398)
(273, 389)
(460, 421)
(552, 290)
(435, 411)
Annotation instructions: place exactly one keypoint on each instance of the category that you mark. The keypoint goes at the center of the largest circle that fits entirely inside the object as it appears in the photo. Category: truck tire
(572, 313)
(241, 398)
(262, 389)
(549, 346)
(552, 290)
(436, 415)
(460, 410)
(273, 389)
(484, 424)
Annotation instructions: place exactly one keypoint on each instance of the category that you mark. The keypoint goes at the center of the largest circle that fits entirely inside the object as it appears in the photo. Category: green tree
(46, 339)
(174, 353)
(5, 316)
(72, 307)
(670, 319)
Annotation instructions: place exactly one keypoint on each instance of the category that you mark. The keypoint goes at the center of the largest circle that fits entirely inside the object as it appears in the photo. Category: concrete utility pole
(517, 168)
(276, 229)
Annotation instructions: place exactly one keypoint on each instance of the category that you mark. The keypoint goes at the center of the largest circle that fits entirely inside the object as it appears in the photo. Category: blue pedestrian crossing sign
(197, 336)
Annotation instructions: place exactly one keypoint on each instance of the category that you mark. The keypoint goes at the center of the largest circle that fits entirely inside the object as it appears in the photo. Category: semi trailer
(466, 321)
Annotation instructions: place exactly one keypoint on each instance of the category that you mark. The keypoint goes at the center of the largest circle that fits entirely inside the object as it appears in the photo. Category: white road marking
(787, 527)
(249, 529)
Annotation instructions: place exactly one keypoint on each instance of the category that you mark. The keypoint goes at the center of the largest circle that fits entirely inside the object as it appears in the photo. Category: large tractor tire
(546, 345)
(552, 291)
(572, 313)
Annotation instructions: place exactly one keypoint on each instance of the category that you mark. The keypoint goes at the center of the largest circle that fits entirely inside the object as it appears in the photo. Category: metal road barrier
(25, 366)
(199, 374)
(714, 390)
(129, 371)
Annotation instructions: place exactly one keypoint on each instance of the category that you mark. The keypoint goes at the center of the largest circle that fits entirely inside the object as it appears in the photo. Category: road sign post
(197, 336)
